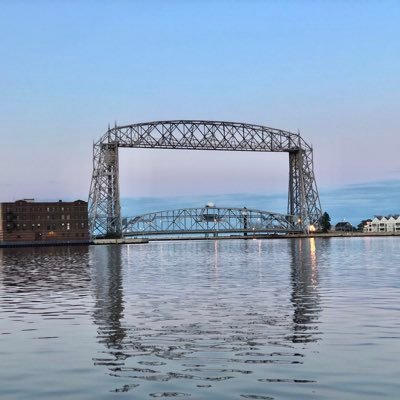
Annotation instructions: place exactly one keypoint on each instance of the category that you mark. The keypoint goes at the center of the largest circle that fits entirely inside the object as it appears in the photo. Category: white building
(391, 223)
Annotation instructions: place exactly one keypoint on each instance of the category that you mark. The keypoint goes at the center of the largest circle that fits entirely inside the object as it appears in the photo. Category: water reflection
(41, 289)
(305, 296)
(183, 322)
(45, 269)
(108, 292)
(220, 320)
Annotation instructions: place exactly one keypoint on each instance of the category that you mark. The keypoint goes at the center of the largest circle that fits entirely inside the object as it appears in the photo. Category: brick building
(30, 221)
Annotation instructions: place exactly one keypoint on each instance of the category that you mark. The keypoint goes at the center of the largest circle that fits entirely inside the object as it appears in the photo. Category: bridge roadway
(209, 220)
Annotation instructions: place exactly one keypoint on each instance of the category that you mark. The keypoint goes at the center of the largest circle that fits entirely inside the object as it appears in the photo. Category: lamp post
(245, 214)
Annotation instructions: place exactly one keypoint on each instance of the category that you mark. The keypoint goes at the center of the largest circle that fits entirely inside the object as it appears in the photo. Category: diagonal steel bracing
(208, 220)
(104, 199)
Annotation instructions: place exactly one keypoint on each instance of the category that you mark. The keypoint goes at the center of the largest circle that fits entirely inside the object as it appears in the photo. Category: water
(256, 319)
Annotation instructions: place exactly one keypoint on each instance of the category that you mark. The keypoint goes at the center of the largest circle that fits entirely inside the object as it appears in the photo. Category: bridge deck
(210, 232)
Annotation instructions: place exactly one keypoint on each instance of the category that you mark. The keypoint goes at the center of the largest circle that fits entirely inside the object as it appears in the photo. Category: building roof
(339, 224)
(381, 217)
(32, 201)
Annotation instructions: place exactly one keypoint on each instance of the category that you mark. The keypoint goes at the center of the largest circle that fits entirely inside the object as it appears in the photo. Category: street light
(245, 213)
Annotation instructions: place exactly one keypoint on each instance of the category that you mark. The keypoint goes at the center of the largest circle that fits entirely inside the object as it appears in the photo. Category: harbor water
(229, 319)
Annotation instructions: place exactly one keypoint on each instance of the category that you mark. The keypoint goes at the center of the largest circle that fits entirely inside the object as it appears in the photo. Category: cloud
(352, 202)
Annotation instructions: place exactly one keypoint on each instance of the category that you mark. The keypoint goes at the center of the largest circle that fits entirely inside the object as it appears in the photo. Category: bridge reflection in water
(108, 292)
(210, 220)
(213, 315)
(305, 296)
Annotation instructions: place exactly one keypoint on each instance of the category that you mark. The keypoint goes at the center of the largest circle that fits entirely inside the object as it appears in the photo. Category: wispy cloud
(350, 202)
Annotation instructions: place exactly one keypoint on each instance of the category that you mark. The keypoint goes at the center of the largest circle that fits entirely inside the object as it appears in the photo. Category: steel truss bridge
(105, 219)
(207, 220)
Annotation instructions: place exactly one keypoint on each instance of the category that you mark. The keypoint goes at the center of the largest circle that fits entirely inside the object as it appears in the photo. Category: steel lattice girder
(207, 220)
(104, 199)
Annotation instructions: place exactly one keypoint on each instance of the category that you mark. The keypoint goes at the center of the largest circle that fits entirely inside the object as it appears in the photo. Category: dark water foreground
(257, 319)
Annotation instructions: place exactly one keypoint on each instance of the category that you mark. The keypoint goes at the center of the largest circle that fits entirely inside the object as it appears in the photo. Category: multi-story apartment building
(390, 223)
(29, 221)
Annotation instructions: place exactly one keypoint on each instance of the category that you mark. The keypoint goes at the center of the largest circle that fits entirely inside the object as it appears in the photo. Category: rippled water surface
(255, 319)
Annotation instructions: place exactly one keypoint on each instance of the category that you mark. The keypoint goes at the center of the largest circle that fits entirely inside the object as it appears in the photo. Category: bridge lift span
(104, 197)
(208, 220)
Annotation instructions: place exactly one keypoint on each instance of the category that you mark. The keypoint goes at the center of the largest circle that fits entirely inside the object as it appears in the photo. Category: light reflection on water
(261, 319)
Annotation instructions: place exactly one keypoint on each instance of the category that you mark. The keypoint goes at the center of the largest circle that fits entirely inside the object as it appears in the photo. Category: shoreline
(99, 242)
(286, 236)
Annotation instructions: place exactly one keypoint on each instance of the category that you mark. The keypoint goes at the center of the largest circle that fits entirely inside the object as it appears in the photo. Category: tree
(325, 222)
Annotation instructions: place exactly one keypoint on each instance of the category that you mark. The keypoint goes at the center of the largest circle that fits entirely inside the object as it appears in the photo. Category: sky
(70, 68)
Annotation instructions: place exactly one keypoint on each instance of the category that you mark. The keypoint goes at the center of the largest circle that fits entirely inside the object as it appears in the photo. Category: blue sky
(68, 68)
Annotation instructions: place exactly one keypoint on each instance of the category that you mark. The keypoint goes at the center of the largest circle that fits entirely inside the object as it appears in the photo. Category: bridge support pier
(105, 207)
(296, 198)
(114, 222)
(303, 198)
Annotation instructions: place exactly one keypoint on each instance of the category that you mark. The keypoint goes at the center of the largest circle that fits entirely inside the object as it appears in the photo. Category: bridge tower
(104, 196)
(304, 206)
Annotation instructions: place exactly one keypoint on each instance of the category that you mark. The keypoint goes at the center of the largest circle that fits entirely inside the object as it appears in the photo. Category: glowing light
(311, 228)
